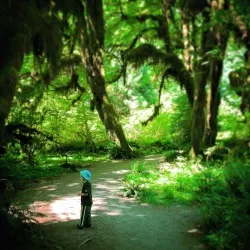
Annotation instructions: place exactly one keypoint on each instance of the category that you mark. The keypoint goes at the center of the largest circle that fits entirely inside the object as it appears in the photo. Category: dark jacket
(86, 189)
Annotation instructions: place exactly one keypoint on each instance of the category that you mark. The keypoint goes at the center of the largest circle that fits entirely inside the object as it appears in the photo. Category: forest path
(117, 222)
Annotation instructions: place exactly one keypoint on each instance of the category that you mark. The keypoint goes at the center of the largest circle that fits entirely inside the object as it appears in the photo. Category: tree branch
(123, 69)
(148, 53)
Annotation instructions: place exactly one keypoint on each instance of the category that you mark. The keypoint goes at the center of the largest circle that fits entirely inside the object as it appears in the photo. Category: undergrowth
(21, 173)
(220, 188)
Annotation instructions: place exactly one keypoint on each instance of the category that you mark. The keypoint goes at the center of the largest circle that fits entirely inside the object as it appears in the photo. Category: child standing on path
(86, 200)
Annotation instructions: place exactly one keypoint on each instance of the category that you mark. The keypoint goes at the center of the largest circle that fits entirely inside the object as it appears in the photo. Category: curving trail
(117, 222)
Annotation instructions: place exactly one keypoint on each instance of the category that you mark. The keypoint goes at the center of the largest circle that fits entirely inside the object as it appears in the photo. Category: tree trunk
(201, 70)
(6, 98)
(186, 41)
(213, 102)
(219, 38)
(92, 43)
(165, 24)
(9, 69)
(215, 37)
(108, 115)
(198, 118)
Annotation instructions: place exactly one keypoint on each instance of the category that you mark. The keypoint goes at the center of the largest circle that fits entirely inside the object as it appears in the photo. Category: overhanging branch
(147, 53)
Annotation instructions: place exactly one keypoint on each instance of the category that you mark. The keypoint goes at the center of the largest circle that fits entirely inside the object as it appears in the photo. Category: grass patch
(47, 166)
(164, 184)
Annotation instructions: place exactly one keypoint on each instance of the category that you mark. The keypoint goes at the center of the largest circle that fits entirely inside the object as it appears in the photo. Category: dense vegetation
(91, 79)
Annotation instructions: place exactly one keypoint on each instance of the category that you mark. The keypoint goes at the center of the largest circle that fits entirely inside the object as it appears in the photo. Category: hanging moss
(145, 53)
(22, 23)
(51, 30)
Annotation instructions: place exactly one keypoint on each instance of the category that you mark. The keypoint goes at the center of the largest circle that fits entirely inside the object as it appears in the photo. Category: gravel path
(117, 222)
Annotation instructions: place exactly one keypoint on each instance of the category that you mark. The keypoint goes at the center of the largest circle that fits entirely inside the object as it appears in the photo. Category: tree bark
(219, 36)
(213, 102)
(186, 41)
(205, 130)
(92, 43)
(198, 117)
(201, 70)
(10, 65)
(165, 24)
(6, 98)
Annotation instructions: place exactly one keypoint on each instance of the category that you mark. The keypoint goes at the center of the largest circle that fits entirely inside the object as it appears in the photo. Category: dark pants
(85, 216)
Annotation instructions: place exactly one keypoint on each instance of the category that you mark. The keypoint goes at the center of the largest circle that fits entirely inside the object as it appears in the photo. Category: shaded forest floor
(117, 222)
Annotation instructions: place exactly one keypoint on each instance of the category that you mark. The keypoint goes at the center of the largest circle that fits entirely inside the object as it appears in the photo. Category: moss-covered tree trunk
(8, 82)
(201, 71)
(213, 102)
(19, 27)
(214, 42)
(219, 37)
(198, 117)
(186, 41)
(92, 43)
(11, 57)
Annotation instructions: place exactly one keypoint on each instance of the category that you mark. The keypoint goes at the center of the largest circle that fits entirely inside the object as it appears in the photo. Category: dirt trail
(117, 222)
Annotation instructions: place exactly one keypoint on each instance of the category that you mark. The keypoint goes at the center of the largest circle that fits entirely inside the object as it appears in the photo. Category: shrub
(226, 208)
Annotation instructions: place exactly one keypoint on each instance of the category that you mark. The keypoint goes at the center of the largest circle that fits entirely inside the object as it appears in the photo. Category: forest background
(87, 80)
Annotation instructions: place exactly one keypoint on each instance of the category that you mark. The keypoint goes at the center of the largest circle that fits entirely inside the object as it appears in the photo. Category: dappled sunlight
(224, 135)
(68, 208)
(107, 184)
(123, 171)
(116, 161)
(194, 231)
(62, 204)
(140, 215)
(112, 181)
(73, 184)
(102, 186)
(144, 204)
(114, 213)
(153, 158)
(163, 180)
(63, 209)
(99, 203)
(48, 187)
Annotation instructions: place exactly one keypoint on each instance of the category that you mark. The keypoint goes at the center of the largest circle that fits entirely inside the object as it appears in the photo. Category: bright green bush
(226, 208)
